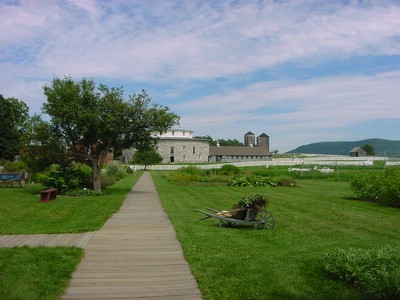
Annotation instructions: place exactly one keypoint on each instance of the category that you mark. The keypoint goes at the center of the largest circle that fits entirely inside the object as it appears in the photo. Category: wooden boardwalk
(135, 255)
(47, 240)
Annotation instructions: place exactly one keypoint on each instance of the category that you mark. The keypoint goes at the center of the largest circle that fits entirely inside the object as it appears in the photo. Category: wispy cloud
(287, 108)
(185, 48)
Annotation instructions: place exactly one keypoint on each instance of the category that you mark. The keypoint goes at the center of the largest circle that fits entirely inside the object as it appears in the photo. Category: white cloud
(297, 108)
(192, 40)
(184, 46)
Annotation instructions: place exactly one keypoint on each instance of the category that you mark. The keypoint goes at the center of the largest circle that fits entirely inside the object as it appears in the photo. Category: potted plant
(254, 202)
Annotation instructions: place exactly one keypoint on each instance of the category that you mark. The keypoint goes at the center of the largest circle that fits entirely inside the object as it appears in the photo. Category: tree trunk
(96, 176)
(97, 166)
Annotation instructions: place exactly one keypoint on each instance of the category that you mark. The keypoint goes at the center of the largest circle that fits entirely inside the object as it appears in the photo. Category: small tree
(95, 120)
(147, 157)
(369, 149)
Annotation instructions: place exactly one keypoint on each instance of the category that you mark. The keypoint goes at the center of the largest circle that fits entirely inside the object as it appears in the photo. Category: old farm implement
(262, 219)
(249, 210)
(8, 179)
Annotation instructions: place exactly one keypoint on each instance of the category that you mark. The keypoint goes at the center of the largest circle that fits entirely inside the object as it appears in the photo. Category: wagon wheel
(266, 220)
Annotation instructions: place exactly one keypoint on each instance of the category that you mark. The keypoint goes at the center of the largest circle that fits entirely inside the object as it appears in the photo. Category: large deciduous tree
(95, 119)
(13, 115)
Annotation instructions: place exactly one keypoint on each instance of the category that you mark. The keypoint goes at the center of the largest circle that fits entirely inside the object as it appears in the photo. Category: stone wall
(183, 150)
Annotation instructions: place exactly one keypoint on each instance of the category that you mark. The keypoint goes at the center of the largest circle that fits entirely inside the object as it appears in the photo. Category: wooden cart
(8, 179)
(262, 219)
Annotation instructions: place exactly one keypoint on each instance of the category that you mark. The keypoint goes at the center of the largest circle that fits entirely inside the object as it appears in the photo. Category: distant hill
(382, 147)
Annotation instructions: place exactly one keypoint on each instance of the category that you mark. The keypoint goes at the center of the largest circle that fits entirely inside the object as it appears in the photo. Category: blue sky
(301, 71)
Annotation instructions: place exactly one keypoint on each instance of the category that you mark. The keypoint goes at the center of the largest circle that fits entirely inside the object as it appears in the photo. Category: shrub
(189, 170)
(229, 170)
(71, 177)
(82, 173)
(313, 174)
(186, 177)
(107, 180)
(241, 180)
(83, 192)
(261, 181)
(15, 166)
(117, 170)
(256, 202)
(53, 177)
(285, 181)
(374, 272)
(381, 187)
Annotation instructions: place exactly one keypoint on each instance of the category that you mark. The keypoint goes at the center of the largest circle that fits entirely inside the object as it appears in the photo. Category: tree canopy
(93, 120)
(369, 149)
(147, 157)
(13, 116)
(221, 142)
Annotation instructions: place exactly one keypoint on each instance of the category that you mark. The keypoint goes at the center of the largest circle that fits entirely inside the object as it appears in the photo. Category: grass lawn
(284, 263)
(41, 272)
(36, 273)
(21, 211)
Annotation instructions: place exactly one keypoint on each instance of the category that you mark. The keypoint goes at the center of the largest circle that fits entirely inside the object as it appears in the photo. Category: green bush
(53, 177)
(107, 180)
(375, 273)
(71, 177)
(255, 202)
(381, 187)
(241, 180)
(261, 181)
(83, 192)
(15, 166)
(229, 170)
(117, 170)
(285, 181)
(112, 173)
(186, 177)
(313, 174)
(190, 170)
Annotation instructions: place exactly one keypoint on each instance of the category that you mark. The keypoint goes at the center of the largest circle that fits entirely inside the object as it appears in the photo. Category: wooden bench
(8, 178)
(48, 194)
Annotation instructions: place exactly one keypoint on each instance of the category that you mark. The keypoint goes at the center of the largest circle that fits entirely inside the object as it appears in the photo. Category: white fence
(317, 160)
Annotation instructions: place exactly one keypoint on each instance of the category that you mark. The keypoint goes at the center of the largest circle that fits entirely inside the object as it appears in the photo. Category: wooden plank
(48, 240)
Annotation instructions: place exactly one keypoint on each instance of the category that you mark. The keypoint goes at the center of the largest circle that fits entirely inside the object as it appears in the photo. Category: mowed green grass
(22, 212)
(36, 273)
(284, 263)
(43, 273)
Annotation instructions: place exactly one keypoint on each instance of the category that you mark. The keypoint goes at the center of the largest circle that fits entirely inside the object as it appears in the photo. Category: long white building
(179, 146)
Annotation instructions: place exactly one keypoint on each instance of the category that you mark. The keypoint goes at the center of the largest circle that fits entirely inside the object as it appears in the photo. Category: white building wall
(178, 133)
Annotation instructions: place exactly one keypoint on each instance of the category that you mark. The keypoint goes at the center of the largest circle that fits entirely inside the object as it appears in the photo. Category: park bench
(8, 178)
(48, 194)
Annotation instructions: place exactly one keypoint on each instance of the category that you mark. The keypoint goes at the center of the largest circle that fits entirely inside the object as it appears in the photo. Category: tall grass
(283, 263)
